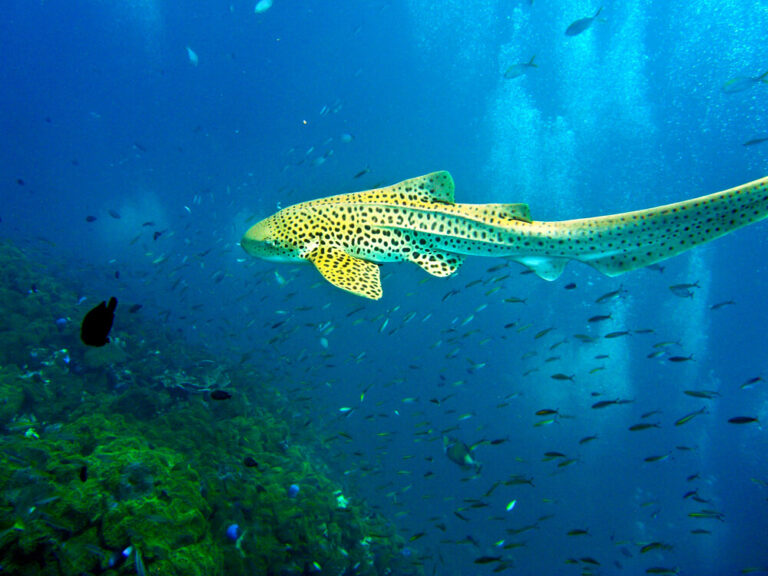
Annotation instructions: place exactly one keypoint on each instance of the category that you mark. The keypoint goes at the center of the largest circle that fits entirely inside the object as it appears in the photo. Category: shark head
(263, 241)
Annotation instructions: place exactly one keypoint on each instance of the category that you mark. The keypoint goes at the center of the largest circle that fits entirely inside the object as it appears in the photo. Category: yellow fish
(347, 236)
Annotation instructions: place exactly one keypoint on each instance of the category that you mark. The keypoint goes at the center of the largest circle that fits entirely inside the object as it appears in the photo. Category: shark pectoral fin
(437, 263)
(347, 272)
(546, 267)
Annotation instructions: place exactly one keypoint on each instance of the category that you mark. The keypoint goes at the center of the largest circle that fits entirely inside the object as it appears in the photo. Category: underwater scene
(384, 287)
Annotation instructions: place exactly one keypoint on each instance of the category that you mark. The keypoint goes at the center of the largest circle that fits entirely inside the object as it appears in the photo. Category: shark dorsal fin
(498, 213)
(433, 187)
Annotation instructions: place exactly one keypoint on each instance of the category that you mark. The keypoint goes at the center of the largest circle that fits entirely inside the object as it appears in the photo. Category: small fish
(719, 305)
(600, 318)
(655, 546)
(605, 403)
(518, 479)
(661, 570)
(135, 308)
(584, 338)
(688, 417)
(220, 395)
(560, 376)
(570, 286)
(705, 394)
(139, 564)
(707, 515)
(643, 426)
(679, 359)
(262, 6)
(552, 455)
(114, 213)
(543, 333)
(362, 172)
(756, 141)
(578, 532)
(741, 83)
(658, 458)
(250, 462)
(618, 334)
(460, 454)
(192, 55)
(582, 24)
(610, 296)
(546, 422)
(91, 218)
(519, 69)
(515, 300)
(751, 382)
(83, 474)
(546, 412)
(94, 330)
(487, 559)
(742, 420)
(683, 290)
(587, 439)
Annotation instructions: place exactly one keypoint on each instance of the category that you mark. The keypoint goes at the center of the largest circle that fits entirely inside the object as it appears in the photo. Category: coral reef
(119, 462)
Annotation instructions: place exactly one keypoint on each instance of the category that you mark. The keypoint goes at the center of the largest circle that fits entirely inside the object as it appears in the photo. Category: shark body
(347, 236)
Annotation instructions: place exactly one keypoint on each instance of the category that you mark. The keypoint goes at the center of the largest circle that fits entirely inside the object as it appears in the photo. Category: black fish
(250, 462)
(115, 214)
(487, 559)
(135, 308)
(83, 473)
(742, 420)
(94, 331)
(570, 286)
(220, 395)
(90, 218)
(156, 235)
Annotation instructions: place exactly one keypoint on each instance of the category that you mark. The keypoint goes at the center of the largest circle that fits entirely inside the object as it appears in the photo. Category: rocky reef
(119, 460)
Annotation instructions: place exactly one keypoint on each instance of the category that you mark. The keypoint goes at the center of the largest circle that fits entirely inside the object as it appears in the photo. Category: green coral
(130, 456)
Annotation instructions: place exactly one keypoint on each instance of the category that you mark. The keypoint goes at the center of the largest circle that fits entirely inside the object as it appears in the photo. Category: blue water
(102, 108)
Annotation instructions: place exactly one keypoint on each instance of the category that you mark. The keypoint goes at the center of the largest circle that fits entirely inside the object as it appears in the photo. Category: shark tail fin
(623, 242)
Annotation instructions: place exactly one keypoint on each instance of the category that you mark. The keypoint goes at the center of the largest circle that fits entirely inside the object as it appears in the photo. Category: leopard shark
(348, 236)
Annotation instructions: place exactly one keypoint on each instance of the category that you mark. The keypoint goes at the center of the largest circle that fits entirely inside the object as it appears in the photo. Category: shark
(348, 236)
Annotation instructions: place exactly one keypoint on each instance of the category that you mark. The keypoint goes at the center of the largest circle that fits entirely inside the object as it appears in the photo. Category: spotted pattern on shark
(347, 236)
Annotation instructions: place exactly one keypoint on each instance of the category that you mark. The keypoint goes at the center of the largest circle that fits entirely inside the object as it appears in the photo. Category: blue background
(101, 108)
